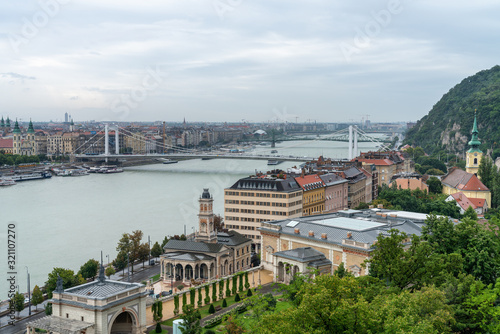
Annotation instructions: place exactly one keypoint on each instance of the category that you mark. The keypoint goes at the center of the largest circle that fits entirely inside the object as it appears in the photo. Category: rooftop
(99, 289)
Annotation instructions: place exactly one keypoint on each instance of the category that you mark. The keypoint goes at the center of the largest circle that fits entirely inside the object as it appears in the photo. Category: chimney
(296, 231)
(324, 236)
(311, 234)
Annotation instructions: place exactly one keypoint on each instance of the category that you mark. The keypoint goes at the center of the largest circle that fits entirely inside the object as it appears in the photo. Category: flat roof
(349, 223)
(409, 215)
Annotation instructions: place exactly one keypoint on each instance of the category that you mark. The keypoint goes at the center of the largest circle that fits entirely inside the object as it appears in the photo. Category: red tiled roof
(462, 180)
(309, 182)
(478, 202)
(6, 143)
(463, 200)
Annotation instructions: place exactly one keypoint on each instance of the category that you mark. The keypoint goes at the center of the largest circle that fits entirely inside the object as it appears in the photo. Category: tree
(218, 223)
(486, 171)
(233, 325)
(214, 291)
(89, 269)
(398, 266)
(435, 185)
(157, 309)
(341, 271)
(164, 242)
(143, 253)
(110, 271)
(470, 213)
(130, 244)
(156, 250)
(18, 302)
(48, 309)
(120, 263)
(211, 309)
(68, 277)
(192, 295)
(191, 319)
(37, 297)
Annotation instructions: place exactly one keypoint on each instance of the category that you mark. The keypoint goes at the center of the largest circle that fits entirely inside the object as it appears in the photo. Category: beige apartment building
(253, 200)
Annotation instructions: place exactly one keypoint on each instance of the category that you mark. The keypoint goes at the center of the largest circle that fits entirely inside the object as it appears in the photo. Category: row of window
(268, 195)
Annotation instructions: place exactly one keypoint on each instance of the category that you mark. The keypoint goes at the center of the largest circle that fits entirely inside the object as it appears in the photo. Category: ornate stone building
(212, 255)
(99, 307)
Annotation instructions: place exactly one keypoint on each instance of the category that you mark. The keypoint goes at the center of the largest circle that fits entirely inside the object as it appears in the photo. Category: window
(67, 315)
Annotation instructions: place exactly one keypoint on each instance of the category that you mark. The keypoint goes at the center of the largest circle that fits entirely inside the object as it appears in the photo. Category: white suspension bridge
(352, 135)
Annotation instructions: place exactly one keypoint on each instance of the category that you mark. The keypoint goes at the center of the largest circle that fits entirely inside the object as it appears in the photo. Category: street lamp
(29, 291)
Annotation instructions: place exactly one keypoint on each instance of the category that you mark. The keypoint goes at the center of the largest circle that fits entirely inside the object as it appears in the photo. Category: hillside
(448, 125)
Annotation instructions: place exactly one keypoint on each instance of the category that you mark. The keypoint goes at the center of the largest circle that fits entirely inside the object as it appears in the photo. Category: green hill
(448, 125)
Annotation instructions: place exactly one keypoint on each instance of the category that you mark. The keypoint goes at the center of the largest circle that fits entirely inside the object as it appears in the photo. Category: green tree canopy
(37, 297)
(68, 277)
(89, 269)
(156, 250)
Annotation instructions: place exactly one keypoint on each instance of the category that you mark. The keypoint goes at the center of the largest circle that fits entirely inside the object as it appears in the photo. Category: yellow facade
(469, 194)
(473, 159)
(313, 202)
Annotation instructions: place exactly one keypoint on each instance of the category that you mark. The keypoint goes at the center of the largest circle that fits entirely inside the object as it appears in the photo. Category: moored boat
(31, 176)
(7, 181)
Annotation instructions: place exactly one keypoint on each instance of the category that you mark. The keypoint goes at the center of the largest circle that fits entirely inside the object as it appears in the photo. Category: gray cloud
(261, 55)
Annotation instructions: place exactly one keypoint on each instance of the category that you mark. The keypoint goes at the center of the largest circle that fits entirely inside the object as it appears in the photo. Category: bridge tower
(106, 140)
(353, 141)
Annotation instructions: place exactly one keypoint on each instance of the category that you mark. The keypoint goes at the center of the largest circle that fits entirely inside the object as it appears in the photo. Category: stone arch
(189, 272)
(203, 271)
(179, 272)
(281, 272)
(295, 270)
(212, 271)
(124, 323)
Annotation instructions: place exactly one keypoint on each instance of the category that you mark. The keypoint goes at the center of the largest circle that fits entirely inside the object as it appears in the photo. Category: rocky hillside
(448, 125)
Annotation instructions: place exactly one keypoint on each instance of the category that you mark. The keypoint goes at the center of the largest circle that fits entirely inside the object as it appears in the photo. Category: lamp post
(29, 291)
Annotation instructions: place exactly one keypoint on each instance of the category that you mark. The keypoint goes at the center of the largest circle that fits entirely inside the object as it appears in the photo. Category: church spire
(30, 127)
(474, 142)
(16, 128)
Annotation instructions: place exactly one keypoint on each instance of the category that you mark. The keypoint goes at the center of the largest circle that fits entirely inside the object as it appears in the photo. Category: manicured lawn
(155, 277)
(204, 309)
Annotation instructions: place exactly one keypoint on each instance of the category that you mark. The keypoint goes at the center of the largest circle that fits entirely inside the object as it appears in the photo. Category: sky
(239, 60)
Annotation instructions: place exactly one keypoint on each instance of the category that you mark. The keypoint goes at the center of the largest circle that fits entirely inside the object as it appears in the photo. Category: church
(467, 182)
(210, 256)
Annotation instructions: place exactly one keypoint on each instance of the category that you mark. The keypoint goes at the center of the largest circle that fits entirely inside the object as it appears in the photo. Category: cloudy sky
(234, 60)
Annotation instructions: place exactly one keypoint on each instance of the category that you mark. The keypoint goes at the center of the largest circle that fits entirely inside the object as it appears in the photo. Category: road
(19, 327)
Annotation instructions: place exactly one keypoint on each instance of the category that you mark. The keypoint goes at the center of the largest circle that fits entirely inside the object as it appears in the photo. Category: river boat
(105, 168)
(63, 172)
(94, 169)
(113, 170)
(79, 172)
(274, 151)
(168, 161)
(6, 181)
(273, 162)
(31, 176)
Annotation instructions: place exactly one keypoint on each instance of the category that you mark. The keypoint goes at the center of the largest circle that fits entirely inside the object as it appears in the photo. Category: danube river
(64, 221)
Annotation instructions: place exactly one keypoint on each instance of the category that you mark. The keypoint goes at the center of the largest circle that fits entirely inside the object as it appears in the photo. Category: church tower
(206, 231)
(474, 154)
(17, 139)
(30, 137)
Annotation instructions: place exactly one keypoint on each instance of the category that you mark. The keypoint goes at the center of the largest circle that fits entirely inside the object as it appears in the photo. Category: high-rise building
(253, 200)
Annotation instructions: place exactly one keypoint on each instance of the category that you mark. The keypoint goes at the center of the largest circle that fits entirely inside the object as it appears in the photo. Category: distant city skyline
(235, 61)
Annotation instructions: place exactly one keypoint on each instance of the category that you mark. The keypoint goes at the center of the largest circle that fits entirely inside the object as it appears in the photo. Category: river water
(64, 221)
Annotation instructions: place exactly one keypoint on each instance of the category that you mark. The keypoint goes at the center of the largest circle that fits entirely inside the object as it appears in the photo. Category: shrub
(209, 331)
(224, 303)
(237, 298)
(192, 293)
(240, 286)
(228, 291)
(184, 299)
(247, 285)
(207, 297)
(221, 289)
(199, 298)
(214, 291)
(211, 309)
(158, 328)
(249, 293)
(233, 289)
